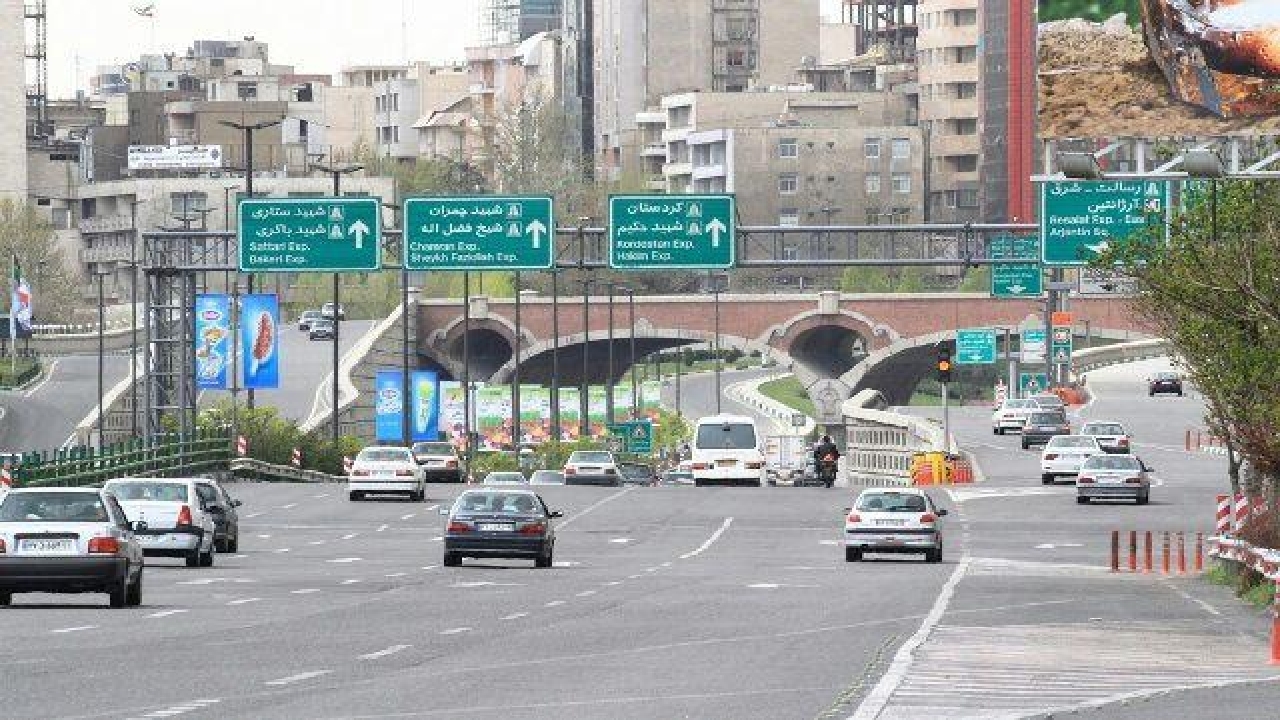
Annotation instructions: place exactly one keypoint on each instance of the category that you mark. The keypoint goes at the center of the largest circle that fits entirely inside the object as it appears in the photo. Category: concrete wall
(13, 102)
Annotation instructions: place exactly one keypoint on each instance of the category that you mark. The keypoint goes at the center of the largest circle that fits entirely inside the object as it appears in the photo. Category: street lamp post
(249, 129)
(608, 382)
(584, 422)
(555, 355)
(100, 276)
(517, 435)
(337, 173)
(631, 313)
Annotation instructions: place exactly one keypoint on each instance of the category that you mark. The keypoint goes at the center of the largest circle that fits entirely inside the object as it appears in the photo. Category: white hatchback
(893, 520)
(386, 469)
(1064, 454)
(1012, 415)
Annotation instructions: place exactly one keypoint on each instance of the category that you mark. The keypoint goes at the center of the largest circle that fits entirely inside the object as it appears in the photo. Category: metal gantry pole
(101, 351)
(517, 434)
(466, 367)
(717, 345)
(635, 391)
(133, 320)
(555, 356)
(608, 382)
(584, 422)
(406, 426)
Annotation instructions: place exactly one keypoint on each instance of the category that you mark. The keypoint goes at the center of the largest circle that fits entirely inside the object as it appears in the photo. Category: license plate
(384, 473)
(894, 523)
(48, 547)
(726, 463)
(496, 527)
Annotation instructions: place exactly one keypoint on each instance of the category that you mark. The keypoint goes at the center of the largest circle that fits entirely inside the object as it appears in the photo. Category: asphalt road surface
(44, 415)
(675, 602)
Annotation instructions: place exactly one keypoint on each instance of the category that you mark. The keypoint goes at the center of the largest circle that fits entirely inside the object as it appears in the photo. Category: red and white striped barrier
(1222, 518)
(1233, 513)
(296, 460)
(346, 464)
(6, 476)
(242, 445)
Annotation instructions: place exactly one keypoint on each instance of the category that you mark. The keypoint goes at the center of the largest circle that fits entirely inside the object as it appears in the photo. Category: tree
(1214, 292)
(30, 238)
(533, 154)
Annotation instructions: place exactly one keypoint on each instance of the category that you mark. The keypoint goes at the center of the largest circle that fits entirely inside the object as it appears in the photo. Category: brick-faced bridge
(821, 336)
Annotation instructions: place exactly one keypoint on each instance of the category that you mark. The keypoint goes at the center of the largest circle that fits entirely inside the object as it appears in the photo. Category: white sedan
(1064, 454)
(1112, 436)
(386, 469)
(1012, 415)
(893, 520)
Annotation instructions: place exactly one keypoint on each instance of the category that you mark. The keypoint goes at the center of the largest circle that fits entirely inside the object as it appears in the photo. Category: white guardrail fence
(1082, 361)
(748, 393)
(880, 444)
(286, 473)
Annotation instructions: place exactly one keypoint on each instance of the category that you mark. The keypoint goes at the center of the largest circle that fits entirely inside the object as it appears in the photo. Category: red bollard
(1146, 551)
(1187, 442)
(1182, 553)
(1115, 551)
(1133, 551)
(1164, 552)
(1199, 552)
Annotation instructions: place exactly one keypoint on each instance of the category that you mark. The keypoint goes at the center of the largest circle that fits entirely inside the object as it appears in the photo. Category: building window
(871, 148)
(966, 90)
(736, 58)
(902, 183)
(901, 149)
(965, 54)
(788, 183)
(61, 218)
(789, 217)
(788, 148)
(963, 163)
(873, 216)
(964, 126)
(247, 91)
(872, 183)
(967, 198)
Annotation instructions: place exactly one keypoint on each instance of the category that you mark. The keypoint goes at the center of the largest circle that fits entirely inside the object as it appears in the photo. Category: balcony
(113, 253)
(654, 150)
(481, 88)
(656, 183)
(676, 134)
(677, 169)
(106, 224)
(651, 117)
(706, 172)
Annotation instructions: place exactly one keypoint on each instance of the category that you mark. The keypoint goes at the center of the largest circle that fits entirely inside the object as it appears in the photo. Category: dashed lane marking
(245, 601)
(455, 631)
(297, 678)
(78, 628)
(167, 613)
(346, 560)
(385, 652)
(304, 591)
(515, 616)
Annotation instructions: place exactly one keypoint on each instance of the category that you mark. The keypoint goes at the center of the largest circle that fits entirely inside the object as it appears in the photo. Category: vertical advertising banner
(260, 341)
(650, 398)
(535, 413)
(452, 412)
(388, 404)
(597, 408)
(426, 405)
(570, 413)
(213, 340)
(493, 416)
(621, 403)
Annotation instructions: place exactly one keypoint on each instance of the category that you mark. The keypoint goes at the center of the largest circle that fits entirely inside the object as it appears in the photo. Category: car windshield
(1018, 404)
(547, 477)
(163, 492)
(1103, 429)
(322, 322)
(1047, 419)
(633, 470)
(1166, 376)
(383, 455)
(433, 448)
(891, 502)
(1048, 401)
(498, 478)
(590, 457)
(1072, 441)
(726, 436)
(496, 502)
(1112, 462)
(53, 507)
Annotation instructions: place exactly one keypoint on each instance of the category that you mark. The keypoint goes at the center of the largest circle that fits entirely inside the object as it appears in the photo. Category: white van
(726, 450)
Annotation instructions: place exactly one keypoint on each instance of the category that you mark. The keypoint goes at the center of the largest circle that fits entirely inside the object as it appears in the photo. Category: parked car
(226, 520)
(327, 311)
(1109, 477)
(321, 329)
(546, 477)
(380, 469)
(1063, 455)
(439, 461)
(637, 474)
(306, 318)
(1042, 425)
(1012, 415)
(178, 524)
(69, 540)
(1164, 382)
(502, 477)
(591, 467)
(1111, 435)
(501, 523)
(901, 520)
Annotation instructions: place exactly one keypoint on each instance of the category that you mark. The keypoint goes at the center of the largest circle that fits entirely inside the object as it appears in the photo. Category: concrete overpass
(822, 337)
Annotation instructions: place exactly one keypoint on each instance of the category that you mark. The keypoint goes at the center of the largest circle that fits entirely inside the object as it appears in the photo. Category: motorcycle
(827, 472)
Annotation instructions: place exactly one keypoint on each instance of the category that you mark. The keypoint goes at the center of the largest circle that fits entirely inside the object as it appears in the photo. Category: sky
(316, 36)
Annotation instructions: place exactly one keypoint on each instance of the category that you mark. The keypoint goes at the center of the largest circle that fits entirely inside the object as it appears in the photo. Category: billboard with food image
(1158, 68)
(493, 416)
(260, 341)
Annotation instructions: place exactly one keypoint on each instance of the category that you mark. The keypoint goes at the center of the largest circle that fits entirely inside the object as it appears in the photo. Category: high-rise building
(1009, 108)
(949, 75)
(13, 101)
(510, 21)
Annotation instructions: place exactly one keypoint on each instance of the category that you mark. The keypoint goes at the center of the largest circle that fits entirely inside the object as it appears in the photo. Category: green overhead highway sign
(479, 233)
(1014, 281)
(310, 234)
(1081, 219)
(976, 346)
(671, 232)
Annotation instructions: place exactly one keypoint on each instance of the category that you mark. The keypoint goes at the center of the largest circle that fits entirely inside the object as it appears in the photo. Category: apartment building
(688, 45)
(400, 104)
(503, 22)
(950, 106)
(501, 77)
(13, 101)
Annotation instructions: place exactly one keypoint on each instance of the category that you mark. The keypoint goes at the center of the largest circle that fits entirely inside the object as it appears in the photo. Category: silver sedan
(1114, 477)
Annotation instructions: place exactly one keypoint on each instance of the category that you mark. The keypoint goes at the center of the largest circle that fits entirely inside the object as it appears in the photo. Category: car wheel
(1082, 500)
(1025, 445)
(134, 596)
(452, 559)
(220, 545)
(354, 496)
(206, 559)
(1046, 479)
(1179, 393)
(933, 556)
(6, 599)
(233, 544)
(193, 558)
(852, 555)
(1144, 499)
(118, 593)
(544, 561)
(697, 483)
(997, 431)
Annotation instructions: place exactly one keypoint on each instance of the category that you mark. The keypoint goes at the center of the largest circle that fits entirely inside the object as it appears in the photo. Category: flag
(22, 305)
(13, 303)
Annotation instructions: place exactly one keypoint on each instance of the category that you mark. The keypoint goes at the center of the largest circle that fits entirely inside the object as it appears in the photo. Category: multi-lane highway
(670, 602)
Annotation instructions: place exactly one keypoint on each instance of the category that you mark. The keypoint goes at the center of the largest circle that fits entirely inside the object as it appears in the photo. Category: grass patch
(791, 393)
(1247, 585)
(21, 372)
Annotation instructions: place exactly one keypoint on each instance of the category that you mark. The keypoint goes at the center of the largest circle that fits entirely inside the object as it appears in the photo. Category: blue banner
(426, 405)
(213, 340)
(260, 341)
(388, 406)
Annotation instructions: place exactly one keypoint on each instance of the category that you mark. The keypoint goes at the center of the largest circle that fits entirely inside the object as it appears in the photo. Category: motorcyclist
(825, 458)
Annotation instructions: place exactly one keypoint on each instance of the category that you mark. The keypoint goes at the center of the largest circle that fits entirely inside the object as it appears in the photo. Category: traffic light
(944, 364)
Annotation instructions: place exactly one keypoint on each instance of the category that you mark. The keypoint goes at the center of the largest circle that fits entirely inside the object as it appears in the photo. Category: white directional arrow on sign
(715, 227)
(358, 230)
(1099, 248)
(1017, 289)
(537, 230)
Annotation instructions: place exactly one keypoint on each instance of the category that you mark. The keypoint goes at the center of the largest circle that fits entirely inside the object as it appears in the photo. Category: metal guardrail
(249, 467)
(880, 444)
(83, 466)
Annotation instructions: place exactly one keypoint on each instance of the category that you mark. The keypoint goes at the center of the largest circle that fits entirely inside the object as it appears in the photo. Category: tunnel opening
(488, 352)
(536, 370)
(829, 351)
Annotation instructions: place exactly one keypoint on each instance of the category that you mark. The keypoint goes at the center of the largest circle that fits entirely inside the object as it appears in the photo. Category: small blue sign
(260, 341)
(213, 340)
(388, 406)
(426, 405)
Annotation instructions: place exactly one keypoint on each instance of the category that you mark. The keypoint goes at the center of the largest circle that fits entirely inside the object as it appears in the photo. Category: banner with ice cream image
(212, 341)
(426, 405)
(260, 341)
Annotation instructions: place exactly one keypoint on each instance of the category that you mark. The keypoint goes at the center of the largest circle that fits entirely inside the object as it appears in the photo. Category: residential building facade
(950, 106)
(13, 101)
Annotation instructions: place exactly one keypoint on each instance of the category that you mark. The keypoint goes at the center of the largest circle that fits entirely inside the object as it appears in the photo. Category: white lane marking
(167, 613)
(346, 560)
(281, 550)
(245, 601)
(239, 557)
(515, 616)
(652, 569)
(351, 581)
(252, 515)
(264, 537)
(829, 542)
(290, 506)
(1052, 546)
(666, 564)
(382, 528)
(317, 542)
(554, 603)
(433, 507)
(78, 628)
(587, 593)
(297, 678)
(775, 586)
(1203, 605)
(430, 567)
(621, 541)
(349, 536)
(611, 583)
(384, 653)
(304, 591)
(455, 631)
(321, 495)
(567, 563)
(876, 700)
(437, 538)
(595, 505)
(714, 536)
(47, 377)
(395, 575)
(632, 577)
(484, 583)
(410, 516)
